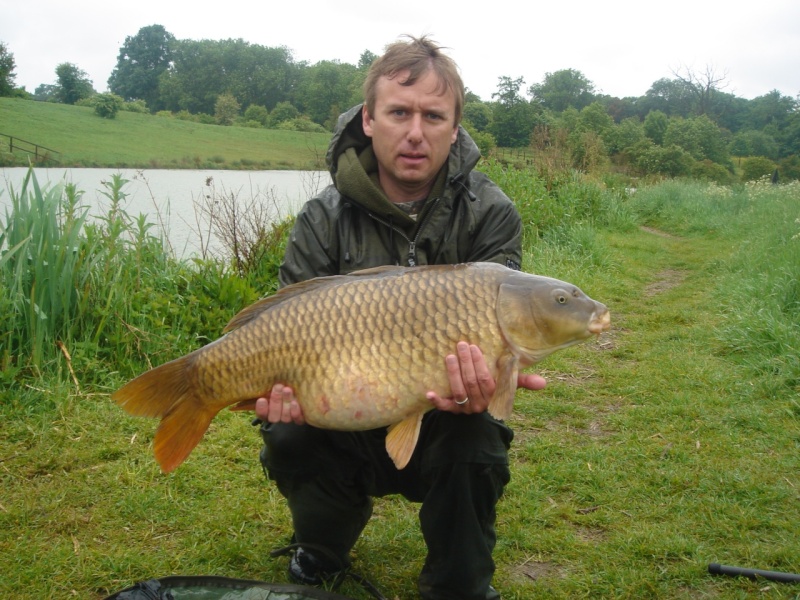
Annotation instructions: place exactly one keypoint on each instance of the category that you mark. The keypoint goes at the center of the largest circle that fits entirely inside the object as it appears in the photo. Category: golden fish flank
(362, 350)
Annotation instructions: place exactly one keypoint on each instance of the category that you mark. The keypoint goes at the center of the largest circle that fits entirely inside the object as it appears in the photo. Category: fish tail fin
(166, 392)
(502, 402)
(402, 439)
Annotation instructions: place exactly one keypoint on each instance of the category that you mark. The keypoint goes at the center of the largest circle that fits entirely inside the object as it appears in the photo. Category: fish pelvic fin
(180, 431)
(502, 402)
(402, 439)
(166, 393)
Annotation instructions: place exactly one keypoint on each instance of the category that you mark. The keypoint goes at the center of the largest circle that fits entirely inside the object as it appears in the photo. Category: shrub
(756, 167)
(257, 113)
(711, 171)
(136, 106)
(226, 109)
(671, 161)
(107, 105)
(790, 167)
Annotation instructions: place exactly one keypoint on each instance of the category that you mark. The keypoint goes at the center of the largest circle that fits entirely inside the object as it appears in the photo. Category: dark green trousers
(458, 472)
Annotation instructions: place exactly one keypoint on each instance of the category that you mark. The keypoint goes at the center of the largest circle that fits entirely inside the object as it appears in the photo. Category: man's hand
(280, 407)
(471, 382)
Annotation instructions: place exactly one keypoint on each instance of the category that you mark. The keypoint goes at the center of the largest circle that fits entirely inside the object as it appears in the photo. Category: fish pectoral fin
(502, 402)
(402, 439)
(249, 404)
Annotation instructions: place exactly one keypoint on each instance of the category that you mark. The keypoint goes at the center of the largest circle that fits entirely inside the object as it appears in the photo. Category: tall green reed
(44, 266)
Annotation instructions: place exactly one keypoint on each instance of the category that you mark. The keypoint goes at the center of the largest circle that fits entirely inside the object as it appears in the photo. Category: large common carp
(361, 351)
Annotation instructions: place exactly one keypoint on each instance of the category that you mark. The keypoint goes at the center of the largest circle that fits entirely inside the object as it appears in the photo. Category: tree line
(684, 125)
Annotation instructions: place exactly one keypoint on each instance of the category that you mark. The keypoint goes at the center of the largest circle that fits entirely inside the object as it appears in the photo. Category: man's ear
(366, 120)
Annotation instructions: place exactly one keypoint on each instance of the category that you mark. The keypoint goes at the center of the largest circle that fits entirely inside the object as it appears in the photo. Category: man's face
(412, 130)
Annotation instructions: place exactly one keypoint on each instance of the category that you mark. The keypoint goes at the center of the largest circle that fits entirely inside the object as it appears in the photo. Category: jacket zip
(412, 244)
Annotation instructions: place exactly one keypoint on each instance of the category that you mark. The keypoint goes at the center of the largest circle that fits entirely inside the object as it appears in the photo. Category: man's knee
(290, 448)
(479, 438)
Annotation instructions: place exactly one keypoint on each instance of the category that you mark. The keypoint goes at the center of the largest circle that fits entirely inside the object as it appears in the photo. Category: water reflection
(170, 197)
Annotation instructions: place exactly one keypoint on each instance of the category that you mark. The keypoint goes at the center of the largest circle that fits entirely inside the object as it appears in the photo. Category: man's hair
(417, 56)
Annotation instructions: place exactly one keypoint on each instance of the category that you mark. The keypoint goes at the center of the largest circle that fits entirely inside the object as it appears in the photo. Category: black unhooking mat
(203, 587)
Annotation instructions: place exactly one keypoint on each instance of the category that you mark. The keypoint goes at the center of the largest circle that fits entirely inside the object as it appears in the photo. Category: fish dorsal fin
(502, 401)
(244, 316)
(402, 439)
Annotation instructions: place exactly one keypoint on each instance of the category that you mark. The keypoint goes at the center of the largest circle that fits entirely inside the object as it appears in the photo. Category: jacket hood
(348, 148)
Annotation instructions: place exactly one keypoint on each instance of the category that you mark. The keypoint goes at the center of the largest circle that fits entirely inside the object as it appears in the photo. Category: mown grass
(669, 443)
(134, 140)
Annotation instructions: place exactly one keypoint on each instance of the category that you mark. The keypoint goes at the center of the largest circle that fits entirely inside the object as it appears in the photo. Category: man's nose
(415, 129)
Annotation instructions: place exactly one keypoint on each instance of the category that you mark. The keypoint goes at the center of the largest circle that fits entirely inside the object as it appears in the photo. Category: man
(404, 193)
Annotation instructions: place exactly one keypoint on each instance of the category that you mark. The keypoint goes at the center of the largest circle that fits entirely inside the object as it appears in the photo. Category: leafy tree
(107, 105)
(324, 91)
(226, 109)
(46, 92)
(699, 136)
(365, 60)
(595, 118)
(771, 110)
(478, 115)
(626, 135)
(507, 93)
(754, 143)
(563, 89)
(141, 61)
(73, 84)
(671, 97)
(513, 117)
(7, 75)
(655, 126)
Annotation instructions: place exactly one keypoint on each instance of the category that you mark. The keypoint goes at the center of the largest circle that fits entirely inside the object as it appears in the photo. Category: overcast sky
(622, 46)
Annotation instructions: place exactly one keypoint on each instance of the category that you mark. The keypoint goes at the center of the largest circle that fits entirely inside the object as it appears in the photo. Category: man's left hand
(471, 383)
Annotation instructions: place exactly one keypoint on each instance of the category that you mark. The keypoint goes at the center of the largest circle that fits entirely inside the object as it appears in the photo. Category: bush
(303, 124)
(226, 109)
(136, 106)
(107, 105)
(711, 171)
(756, 167)
(789, 167)
(257, 113)
(671, 161)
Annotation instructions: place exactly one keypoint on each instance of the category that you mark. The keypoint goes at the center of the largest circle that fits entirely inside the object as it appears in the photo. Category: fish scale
(361, 351)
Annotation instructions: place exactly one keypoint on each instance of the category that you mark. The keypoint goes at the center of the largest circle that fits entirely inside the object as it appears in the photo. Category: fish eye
(560, 296)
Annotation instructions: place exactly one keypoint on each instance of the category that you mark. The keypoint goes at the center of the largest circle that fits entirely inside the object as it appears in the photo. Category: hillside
(133, 140)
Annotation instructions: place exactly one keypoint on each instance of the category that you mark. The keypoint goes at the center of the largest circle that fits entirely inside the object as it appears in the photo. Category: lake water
(170, 197)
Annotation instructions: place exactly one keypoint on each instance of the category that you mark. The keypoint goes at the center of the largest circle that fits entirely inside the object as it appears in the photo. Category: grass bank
(671, 442)
(134, 140)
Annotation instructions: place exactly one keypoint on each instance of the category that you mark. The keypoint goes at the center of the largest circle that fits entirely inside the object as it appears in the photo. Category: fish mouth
(600, 323)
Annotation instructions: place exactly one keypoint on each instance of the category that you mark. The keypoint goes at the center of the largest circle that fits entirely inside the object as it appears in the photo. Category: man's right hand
(280, 407)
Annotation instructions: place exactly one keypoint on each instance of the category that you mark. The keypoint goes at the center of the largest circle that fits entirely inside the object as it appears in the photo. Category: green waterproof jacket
(351, 224)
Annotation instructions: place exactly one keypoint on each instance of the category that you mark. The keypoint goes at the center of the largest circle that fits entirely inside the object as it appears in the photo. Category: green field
(670, 442)
(133, 140)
